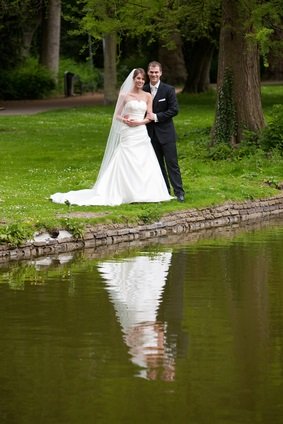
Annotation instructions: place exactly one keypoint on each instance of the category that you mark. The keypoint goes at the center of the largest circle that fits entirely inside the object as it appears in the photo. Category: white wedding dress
(136, 286)
(133, 173)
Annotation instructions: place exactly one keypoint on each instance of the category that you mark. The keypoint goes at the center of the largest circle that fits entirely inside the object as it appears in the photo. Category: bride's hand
(131, 122)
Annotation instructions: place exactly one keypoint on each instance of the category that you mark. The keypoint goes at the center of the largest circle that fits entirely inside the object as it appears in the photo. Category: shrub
(29, 81)
(149, 214)
(14, 234)
(271, 137)
(91, 79)
(220, 151)
(248, 146)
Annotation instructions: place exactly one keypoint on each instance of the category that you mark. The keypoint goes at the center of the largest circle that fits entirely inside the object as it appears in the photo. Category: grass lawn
(62, 150)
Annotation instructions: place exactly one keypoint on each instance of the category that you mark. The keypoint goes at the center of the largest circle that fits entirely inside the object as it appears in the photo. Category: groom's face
(154, 73)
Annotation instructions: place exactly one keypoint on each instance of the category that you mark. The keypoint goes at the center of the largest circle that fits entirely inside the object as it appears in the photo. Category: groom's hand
(151, 116)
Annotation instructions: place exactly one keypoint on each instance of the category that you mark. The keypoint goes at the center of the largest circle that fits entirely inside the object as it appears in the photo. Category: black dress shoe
(181, 198)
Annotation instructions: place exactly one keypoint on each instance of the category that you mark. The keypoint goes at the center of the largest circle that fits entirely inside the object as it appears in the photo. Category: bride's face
(139, 81)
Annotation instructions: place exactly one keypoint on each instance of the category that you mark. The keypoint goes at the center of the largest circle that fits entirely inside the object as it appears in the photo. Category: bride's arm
(120, 107)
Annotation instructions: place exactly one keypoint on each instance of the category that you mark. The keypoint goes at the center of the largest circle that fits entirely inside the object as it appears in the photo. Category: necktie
(153, 91)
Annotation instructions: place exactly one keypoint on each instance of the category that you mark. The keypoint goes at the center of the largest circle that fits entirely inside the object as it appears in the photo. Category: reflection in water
(47, 261)
(64, 358)
(135, 286)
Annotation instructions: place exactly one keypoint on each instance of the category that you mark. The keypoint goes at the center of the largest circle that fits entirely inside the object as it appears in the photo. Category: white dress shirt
(153, 89)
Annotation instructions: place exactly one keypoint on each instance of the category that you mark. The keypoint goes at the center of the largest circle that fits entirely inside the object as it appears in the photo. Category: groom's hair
(153, 64)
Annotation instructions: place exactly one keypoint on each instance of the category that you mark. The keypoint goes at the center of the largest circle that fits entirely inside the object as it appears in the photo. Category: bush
(271, 137)
(29, 81)
(248, 146)
(220, 151)
(90, 79)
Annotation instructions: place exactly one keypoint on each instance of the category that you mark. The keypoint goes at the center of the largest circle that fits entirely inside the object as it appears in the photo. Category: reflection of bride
(135, 286)
(129, 171)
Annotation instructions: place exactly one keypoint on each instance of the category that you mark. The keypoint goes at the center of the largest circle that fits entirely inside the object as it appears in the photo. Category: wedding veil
(115, 130)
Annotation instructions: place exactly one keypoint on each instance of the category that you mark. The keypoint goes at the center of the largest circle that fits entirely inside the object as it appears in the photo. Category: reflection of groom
(161, 128)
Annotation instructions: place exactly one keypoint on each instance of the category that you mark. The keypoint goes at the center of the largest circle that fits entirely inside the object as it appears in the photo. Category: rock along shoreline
(185, 221)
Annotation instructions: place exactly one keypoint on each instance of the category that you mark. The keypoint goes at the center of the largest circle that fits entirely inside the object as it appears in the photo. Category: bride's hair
(138, 71)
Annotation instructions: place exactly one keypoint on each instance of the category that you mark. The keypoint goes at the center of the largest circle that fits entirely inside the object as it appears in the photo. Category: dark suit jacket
(165, 106)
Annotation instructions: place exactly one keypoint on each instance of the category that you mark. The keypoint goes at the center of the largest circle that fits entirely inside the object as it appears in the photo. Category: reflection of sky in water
(47, 261)
(135, 286)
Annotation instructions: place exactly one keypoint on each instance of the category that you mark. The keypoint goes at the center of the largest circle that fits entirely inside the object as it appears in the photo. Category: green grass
(62, 150)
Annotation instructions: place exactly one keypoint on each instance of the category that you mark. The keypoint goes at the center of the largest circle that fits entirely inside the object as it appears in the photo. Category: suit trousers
(168, 161)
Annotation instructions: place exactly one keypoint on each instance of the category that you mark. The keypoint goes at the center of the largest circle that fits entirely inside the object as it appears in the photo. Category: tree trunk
(200, 58)
(50, 51)
(173, 63)
(110, 69)
(31, 23)
(27, 41)
(239, 98)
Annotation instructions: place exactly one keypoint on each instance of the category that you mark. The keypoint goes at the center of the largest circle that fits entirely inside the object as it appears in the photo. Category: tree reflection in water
(135, 287)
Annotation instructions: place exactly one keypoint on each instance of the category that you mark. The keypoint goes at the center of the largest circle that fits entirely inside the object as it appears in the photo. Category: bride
(129, 171)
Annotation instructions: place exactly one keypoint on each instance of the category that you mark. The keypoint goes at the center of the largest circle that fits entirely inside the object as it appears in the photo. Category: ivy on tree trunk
(240, 55)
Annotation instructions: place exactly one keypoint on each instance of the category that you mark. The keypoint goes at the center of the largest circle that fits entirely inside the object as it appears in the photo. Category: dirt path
(30, 107)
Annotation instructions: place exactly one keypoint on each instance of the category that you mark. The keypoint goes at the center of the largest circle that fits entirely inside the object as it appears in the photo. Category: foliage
(76, 227)
(223, 151)
(9, 41)
(14, 234)
(28, 81)
(200, 19)
(149, 213)
(17, 18)
(220, 151)
(225, 122)
(90, 77)
(264, 18)
(272, 135)
(248, 146)
(154, 20)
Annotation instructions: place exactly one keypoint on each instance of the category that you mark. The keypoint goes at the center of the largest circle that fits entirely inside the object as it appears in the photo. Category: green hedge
(29, 81)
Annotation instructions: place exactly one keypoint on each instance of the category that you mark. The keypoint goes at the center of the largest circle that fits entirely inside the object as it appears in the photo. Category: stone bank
(185, 221)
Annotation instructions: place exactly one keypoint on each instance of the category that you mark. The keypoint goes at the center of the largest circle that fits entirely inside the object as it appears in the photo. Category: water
(188, 330)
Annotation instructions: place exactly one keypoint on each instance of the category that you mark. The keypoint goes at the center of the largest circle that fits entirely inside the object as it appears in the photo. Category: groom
(161, 129)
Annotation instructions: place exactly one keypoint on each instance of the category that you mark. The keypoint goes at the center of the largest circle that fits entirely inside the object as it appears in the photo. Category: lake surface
(182, 330)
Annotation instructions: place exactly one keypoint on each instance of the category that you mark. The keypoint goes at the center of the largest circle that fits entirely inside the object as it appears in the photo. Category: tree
(173, 62)
(19, 22)
(110, 74)
(150, 19)
(199, 27)
(51, 24)
(273, 68)
(239, 90)
(198, 57)
(101, 20)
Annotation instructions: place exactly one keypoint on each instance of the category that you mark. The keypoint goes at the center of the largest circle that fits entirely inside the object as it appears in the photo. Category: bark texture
(51, 28)
(110, 73)
(238, 58)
